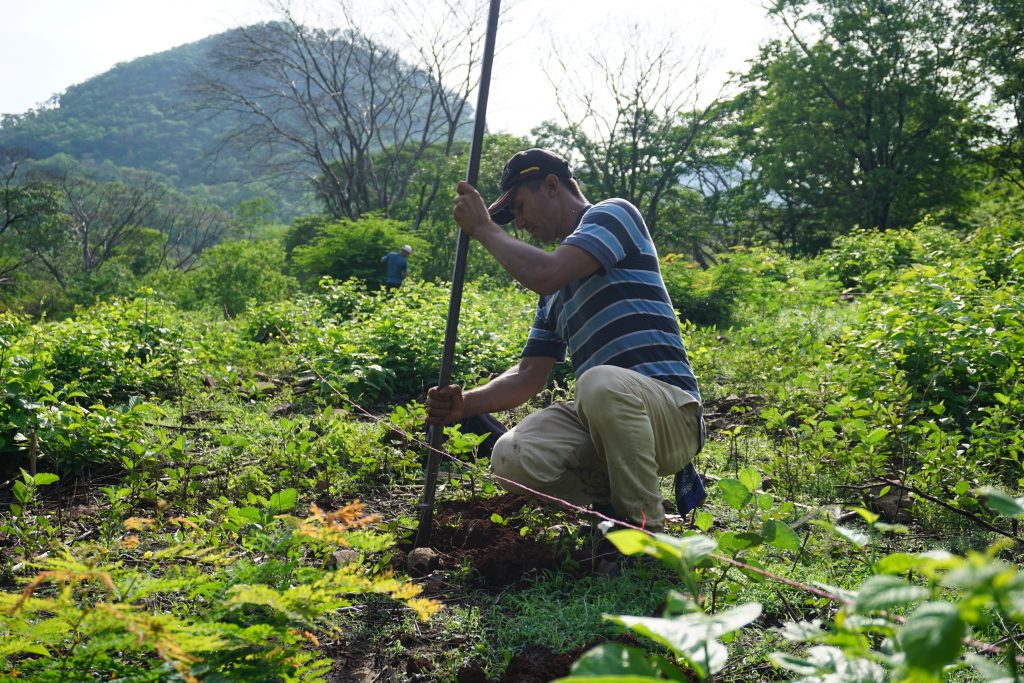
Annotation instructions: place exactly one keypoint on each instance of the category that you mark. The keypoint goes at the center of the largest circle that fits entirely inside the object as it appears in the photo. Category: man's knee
(503, 460)
(599, 388)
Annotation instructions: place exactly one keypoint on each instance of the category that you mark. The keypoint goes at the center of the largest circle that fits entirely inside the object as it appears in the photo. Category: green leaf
(613, 659)
(245, 514)
(932, 636)
(731, 541)
(883, 592)
(852, 535)
(794, 664)
(735, 494)
(750, 574)
(827, 663)
(961, 488)
(44, 478)
(780, 535)
(704, 520)
(284, 500)
(896, 563)
(694, 637)
(750, 478)
(1002, 502)
(866, 515)
(876, 435)
(690, 549)
(21, 493)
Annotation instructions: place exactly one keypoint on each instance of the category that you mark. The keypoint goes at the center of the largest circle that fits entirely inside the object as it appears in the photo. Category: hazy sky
(49, 45)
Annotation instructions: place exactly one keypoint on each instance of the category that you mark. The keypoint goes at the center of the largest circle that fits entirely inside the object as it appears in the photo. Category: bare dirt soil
(463, 534)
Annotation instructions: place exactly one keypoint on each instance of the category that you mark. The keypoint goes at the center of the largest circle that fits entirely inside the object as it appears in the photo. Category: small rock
(433, 584)
(286, 409)
(422, 561)
(339, 558)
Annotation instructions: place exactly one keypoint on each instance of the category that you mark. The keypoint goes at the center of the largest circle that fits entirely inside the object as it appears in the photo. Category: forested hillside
(153, 114)
(144, 115)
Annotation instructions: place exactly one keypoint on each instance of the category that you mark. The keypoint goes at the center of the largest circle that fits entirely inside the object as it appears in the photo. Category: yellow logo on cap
(529, 170)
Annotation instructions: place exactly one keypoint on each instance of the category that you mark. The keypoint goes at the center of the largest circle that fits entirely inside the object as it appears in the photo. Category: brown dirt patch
(463, 532)
(538, 664)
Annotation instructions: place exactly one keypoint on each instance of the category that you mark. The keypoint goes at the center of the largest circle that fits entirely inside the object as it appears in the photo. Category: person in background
(637, 413)
(396, 264)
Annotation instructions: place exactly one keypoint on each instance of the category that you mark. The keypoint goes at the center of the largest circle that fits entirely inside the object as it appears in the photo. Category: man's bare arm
(541, 271)
(512, 388)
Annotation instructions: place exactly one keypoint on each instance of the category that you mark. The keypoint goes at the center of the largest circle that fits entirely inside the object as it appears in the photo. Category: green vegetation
(162, 461)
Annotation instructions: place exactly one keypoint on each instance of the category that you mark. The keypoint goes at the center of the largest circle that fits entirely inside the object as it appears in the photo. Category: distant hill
(144, 114)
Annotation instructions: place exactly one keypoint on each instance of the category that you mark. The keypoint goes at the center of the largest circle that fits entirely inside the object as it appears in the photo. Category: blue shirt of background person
(397, 265)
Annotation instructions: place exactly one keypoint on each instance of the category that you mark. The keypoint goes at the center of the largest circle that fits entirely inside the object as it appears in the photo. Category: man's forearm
(498, 394)
(529, 265)
(511, 389)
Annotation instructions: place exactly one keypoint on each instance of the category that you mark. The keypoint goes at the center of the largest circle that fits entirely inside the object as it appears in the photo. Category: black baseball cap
(530, 164)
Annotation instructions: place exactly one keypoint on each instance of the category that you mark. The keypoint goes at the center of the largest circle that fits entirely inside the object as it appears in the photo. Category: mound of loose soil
(463, 532)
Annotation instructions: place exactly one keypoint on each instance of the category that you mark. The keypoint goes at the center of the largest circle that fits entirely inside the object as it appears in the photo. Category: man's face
(535, 211)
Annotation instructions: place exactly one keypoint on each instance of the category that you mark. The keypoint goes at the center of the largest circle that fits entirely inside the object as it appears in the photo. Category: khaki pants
(621, 435)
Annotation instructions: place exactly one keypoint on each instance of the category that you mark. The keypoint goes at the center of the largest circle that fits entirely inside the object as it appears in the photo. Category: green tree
(856, 118)
(233, 274)
(997, 44)
(31, 219)
(347, 249)
(436, 227)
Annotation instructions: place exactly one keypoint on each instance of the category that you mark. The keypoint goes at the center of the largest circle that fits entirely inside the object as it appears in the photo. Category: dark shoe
(689, 489)
(483, 424)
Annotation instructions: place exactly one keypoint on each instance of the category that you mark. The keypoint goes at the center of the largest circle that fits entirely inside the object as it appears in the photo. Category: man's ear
(550, 184)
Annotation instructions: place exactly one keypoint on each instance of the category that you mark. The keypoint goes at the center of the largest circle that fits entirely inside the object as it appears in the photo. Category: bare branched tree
(23, 205)
(637, 125)
(103, 216)
(191, 228)
(344, 108)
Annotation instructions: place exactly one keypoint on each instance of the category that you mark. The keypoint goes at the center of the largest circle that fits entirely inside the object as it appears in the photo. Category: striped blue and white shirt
(621, 315)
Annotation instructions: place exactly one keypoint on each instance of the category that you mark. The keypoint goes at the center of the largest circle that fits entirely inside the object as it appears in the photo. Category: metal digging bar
(458, 278)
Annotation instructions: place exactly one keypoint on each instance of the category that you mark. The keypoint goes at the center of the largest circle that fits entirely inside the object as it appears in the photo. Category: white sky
(49, 45)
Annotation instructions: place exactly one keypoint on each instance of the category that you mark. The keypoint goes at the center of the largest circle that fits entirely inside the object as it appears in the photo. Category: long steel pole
(458, 279)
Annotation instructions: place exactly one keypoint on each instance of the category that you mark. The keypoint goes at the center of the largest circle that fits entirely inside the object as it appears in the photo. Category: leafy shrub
(281, 319)
(866, 260)
(344, 299)
(114, 350)
(393, 348)
(234, 274)
(163, 618)
(998, 249)
(351, 249)
(944, 597)
(743, 279)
